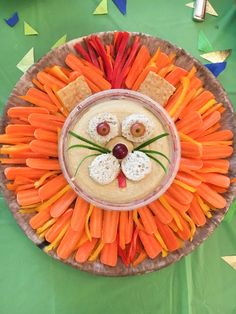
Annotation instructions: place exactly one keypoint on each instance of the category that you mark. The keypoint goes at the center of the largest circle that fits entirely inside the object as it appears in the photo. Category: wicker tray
(184, 60)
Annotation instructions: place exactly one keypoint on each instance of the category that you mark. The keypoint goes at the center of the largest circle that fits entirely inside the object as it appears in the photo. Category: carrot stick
(63, 203)
(57, 72)
(216, 152)
(175, 76)
(190, 122)
(12, 172)
(207, 106)
(44, 135)
(68, 243)
(171, 210)
(13, 161)
(142, 256)
(42, 163)
(87, 218)
(212, 197)
(159, 210)
(122, 227)
(24, 187)
(48, 79)
(79, 214)
(147, 220)
(162, 61)
(191, 164)
(181, 195)
(109, 254)
(137, 67)
(24, 112)
(54, 231)
(44, 147)
(166, 70)
(37, 84)
(110, 226)
(55, 100)
(151, 245)
(39, 102)
(188, 179)
(176, 205)
(190, 94)
(223, 135)
(196, 213)
(185, 233)
(52, 187)
(216, 179)
(96, 222)
(94, 88)
(36, 93)
(129, 228)
(20, 130)
(171, 241)
(43, 122)
(190, 150)
(85, 250)
(8, 149)
(9, 139)
(185, 186)
(40, 218)
(27, 197)
(217, 163)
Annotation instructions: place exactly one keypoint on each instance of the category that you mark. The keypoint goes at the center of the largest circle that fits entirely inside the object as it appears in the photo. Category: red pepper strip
(121, 180)
(123, 72)
(133, 246)
(120, 56)
(92, 54)
(117, 41)
(112, 51)
(122, 254)
(80, 49)
(106, 61)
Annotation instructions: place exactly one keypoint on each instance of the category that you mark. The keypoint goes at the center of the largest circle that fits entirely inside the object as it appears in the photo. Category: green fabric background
(32, 282)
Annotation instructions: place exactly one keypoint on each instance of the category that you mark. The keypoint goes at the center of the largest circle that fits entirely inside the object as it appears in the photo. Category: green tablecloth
(32, 282)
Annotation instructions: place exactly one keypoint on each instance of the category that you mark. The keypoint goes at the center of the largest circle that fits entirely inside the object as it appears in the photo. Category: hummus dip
(111, 192)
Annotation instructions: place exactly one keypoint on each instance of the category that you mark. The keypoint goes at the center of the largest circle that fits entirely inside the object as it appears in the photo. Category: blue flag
(216, 68)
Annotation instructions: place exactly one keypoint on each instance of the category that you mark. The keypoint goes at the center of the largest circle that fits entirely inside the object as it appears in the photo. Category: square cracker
(74, 93)
(156, 88)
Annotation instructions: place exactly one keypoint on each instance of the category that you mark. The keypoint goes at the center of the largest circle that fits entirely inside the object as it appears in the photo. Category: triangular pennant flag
(29, 30)
(209, 8)
(216, 68)
(60, 41)
(121, 5)
(231, 260)
(101, 8)
(203, 43)
(26, 61)
(217, 56)
(12, 20)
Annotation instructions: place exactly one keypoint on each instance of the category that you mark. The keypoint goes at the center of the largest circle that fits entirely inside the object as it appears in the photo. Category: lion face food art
(118, 140)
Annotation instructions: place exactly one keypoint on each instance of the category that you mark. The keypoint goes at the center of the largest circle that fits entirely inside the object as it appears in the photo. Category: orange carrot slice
(39, 102)
(20, 129)
(159, 210)
(44, 147)
(217, 163)
(129, 228)
(151, 245)
(61, 205)
(18, 112)
(223, 135)
(52, 187)
(42, 163)
(40, 218)
(96, 222)
(185, 233)
(216, 179)
(181, 195)
(175, 76)
(54, 231)
(190, 163)
(85, 250)
(216, 152)
(48, 79)
(212, 197)
(188, 179)
(190, 122)
(168, 236)
(79, 214)
(68, 243)
(110, 226)
(12, 172)
(44, 135)
(109, 254)
(12, 161)
(143, 75)
(147, 220)
(196, 213)
(191, 150)
(122, 227)
(35, 92)
(28, 197)
(176, 205)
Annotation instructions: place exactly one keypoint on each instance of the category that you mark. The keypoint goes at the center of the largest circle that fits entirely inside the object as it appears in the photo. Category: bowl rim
(153, 107)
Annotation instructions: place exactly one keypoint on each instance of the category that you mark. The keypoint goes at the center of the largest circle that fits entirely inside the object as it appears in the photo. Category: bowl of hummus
(119, 150)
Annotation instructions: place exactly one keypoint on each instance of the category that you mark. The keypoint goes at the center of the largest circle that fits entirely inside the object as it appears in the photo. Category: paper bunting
(60, 42)
(121, 5)
(217, 56)
(26, 61)
(101, 8)
(13, 20)
(216, 68)
(203, 43)
(231, 260)
(209, 8)
(29, 30)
